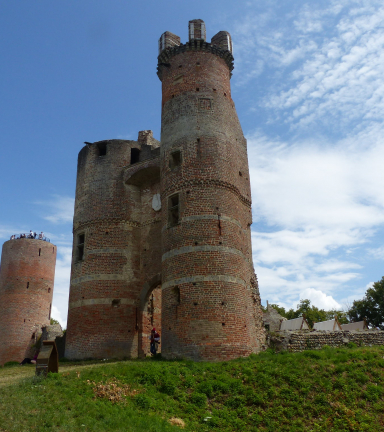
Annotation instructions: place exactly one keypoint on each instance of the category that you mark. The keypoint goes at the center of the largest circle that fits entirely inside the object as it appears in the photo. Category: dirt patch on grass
(14, 374)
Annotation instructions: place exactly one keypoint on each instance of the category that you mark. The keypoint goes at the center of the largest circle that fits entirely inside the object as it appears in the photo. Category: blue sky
(308, 86)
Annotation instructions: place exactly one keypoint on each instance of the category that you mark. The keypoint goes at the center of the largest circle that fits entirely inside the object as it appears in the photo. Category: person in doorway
(155, 340)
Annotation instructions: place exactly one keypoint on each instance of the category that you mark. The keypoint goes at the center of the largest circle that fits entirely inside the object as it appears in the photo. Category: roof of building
(295, 324)
(360, 325)
(330, 325)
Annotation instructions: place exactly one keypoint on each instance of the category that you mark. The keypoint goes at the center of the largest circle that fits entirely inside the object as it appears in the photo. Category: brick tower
(174, 214)
(116, 247)
(211, 304)
(26, 289)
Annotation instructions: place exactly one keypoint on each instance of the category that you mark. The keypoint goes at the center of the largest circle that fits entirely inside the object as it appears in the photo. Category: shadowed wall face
(26, 289)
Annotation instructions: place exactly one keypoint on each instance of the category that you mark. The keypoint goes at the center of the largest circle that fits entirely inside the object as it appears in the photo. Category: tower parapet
(170, 46)
(197, 30)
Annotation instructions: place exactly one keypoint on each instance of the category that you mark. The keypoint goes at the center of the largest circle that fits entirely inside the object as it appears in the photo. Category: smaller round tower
(26, 289)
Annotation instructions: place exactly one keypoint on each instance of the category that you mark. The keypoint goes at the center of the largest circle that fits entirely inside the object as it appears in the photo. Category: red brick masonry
(26, 289)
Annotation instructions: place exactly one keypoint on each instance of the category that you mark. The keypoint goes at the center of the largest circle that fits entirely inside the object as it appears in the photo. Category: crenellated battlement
(194, 45)
(170, 45)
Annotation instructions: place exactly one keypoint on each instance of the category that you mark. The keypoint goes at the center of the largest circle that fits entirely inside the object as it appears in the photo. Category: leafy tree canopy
(53, 321)
(370, 307)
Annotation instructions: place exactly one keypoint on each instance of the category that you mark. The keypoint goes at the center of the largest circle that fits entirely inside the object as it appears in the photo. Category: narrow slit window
(173, 210)
(27, 285)
(102, 149)
(176, 291)
(135, 155)
(80, 247)
(39, 251)
(175, 160)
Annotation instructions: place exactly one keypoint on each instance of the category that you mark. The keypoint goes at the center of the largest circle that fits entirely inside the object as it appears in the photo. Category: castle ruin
(162, 229)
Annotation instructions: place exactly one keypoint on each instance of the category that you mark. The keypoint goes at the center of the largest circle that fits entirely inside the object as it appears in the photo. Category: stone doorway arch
(150, 313)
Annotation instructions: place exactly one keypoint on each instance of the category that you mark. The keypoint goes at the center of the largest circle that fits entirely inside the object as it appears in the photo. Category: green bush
(142, 401)
(198, 399)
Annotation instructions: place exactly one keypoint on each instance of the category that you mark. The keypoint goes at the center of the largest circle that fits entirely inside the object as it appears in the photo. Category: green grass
(328, 390)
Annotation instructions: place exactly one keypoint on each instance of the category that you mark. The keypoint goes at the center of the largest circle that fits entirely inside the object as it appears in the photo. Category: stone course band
(209, 183)
(100, 301)
(189, 249)
(208, 278)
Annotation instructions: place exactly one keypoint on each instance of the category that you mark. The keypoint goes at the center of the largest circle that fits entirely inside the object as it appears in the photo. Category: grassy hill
(328, 390)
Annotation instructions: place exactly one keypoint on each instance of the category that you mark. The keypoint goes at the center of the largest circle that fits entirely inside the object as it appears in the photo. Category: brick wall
(26, 289)
(121, 251)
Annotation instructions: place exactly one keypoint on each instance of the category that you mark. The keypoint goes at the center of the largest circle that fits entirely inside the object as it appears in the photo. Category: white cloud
(377, 253)
(55, 314)
(314, 205)
(336, 50)
(60, 209)
(320, 299)
(62, 283)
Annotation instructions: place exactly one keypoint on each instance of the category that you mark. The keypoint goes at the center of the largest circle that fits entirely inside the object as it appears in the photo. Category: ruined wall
(211, 305)
(116, 246)
(178, 216)
(304, 340)
(26, 289)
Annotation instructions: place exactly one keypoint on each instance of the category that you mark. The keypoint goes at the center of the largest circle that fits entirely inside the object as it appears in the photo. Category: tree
(314, 314)
(53, 321)
(279, 309)
(370, 307)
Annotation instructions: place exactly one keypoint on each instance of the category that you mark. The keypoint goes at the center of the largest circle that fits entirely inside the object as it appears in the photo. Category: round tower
(211, 304)
(110, 260)
(26, 289)
(100, 306)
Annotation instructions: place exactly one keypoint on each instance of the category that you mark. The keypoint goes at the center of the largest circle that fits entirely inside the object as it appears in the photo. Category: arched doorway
(150, 313)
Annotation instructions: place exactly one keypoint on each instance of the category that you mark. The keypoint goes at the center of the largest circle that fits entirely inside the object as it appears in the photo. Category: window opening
(80, 247)
(173, 210)
(102, 149)
(39, 251)
(175, 159)
(135, 155)
(116, 302)
(176, 291)
(27, 285)
(49, 290)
